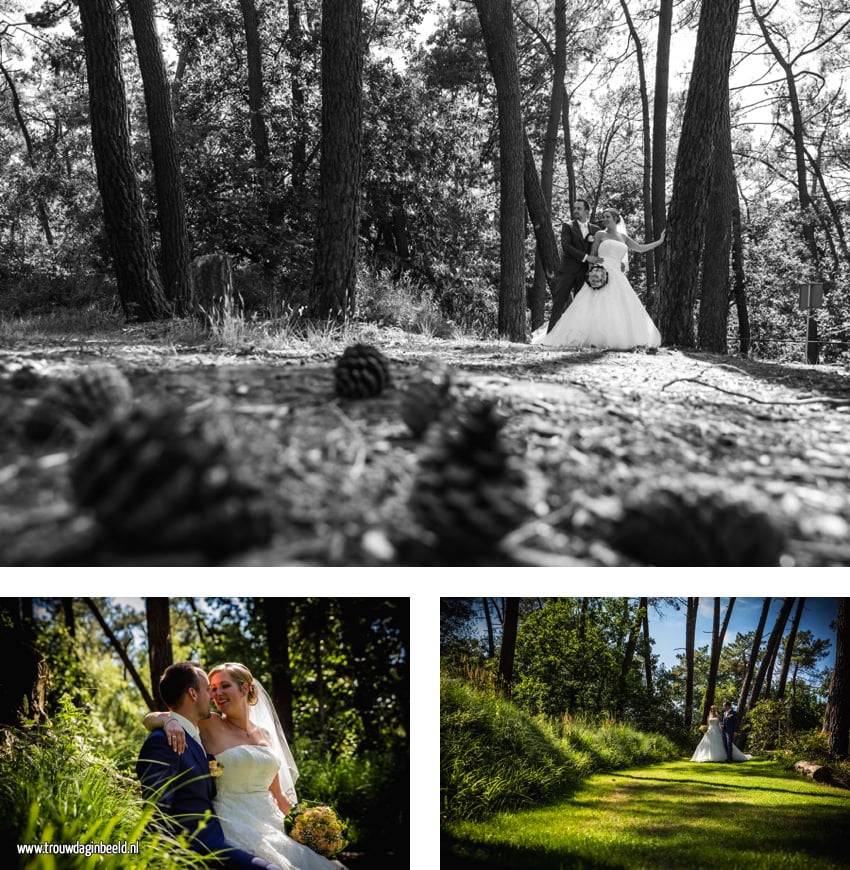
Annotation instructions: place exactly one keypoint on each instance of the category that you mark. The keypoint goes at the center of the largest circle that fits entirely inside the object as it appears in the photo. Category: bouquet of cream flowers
(317, 827)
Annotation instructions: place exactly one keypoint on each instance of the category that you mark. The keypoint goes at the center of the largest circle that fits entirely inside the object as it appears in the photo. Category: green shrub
(55, 788)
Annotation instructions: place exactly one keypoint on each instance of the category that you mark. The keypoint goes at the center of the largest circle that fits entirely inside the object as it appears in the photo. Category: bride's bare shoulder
(212, 724)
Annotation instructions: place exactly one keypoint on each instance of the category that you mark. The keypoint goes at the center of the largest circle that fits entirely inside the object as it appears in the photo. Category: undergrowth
(494, 757)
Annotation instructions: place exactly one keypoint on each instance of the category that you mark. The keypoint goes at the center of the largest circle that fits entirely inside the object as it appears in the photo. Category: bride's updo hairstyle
(614, 212)
(241, 675)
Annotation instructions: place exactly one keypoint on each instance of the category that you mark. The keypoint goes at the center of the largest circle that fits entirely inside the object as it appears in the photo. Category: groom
(181, 785)
(729, 727)
(576, 241)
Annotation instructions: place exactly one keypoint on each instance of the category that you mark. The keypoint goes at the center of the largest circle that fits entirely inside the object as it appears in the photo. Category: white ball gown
(611, 317)
(712, 748)
(248, 814)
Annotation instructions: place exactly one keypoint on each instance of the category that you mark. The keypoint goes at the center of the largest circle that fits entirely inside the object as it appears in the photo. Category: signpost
(811, 297)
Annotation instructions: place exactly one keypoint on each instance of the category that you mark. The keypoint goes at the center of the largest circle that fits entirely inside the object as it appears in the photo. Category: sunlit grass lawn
(676, 814)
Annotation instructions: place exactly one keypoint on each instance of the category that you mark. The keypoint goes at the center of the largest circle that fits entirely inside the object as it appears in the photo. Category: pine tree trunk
(769, 652)
(211, 288)
(836, 721)
(659, 126)
(338, 222)
(690, 637)
(259, 134)
(160, 653)
(701, 127)
(296, 87)
(276, 619)
(789, 648)
(139, 287)
(508, 648)
(714, 286)
(739, 285)
(497, 26)
(751, 663)
(168, 179)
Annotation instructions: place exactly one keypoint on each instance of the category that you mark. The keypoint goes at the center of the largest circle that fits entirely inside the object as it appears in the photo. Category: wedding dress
(612, 316)
(712, 748)
(249, 816)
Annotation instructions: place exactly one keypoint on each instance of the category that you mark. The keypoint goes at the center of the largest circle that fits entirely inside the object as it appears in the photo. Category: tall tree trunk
(508, 649)
(647, 647)
(68, 615)
(628, 653)
(537, 295)
(752, 661)
(789, 648)
(836, 721)
(690, 636)
(497, 27)
(769, 652)
(139, 287)
(41, 208)
(701, 126)
(259, 133)
(160, 652)
(714, 286)
(647, 143)
(739, 285)
(572, 194)
(338, 222)
(168, 179)
(541, 219)
(718, 633)
(296, 87)
(22, 680)
(122, 654)
(276, 619)
(491, 641)
(659, 126)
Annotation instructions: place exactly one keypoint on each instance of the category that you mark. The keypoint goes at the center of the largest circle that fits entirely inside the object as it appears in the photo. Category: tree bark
(497, 27)
(259, 133)
(789, 648)
(139, 287)
(21, 685)
(772, 644)
(836, 721)
(276, 618)
(507, 652)
(168, 179)
(296, 58)
(540, 215)
(751, 663)
(739, 285)
(335, 265)
(718, 633)
(679, 272)
(160, 653)
(690, 635)
(714, 285)
(659, 127)
(491, 642)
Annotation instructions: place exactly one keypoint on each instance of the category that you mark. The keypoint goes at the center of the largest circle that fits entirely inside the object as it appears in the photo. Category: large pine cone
(427, 396)
(670, 525)
(159, 480)
(74, 403)
(469, 491)
(361, 372)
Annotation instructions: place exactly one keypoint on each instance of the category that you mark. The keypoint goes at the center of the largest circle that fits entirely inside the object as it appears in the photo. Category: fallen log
(817, 772)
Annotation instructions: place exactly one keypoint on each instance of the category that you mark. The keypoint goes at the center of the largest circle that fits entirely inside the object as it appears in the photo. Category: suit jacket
(183, 790)
(574, 247)
(730, 722)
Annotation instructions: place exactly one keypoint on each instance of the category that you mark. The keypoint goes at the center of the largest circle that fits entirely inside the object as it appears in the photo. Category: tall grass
(494, 757)
(55, 788)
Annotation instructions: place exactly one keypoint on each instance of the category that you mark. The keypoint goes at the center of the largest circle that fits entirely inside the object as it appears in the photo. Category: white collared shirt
(583, 227)
(188, 727)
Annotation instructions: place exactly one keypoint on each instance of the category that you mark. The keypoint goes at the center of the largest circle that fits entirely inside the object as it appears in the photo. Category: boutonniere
(215, 768)
(589, 238)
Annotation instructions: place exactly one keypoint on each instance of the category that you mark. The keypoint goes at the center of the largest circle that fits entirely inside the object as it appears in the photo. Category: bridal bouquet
(597, 276)
(317, 827)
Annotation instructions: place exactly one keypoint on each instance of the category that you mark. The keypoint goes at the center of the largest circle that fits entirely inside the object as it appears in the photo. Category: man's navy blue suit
(185, 802)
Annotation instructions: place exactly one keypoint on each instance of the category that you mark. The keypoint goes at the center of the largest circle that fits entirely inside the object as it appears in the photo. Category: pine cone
(361, 372)
(75, 403)
(159, 480)
(469, 491)
(668, 525)
(427, 396)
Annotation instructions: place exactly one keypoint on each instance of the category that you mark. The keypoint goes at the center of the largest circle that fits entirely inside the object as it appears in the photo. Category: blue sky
(668, 630)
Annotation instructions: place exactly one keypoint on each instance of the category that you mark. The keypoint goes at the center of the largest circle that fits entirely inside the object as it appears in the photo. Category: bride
(711, 747)
(256, 776)
(611, 316)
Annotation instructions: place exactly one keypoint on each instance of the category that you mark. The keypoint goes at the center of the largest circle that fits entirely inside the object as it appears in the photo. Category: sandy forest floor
(592, 428)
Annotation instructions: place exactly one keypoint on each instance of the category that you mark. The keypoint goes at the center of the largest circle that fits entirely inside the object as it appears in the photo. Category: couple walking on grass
(717, 743)
(593, 303)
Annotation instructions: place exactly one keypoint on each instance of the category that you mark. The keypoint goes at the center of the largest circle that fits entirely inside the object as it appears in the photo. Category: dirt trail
(592, 426)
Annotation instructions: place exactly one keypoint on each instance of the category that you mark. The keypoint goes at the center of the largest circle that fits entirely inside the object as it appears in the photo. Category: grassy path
(676, 814)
